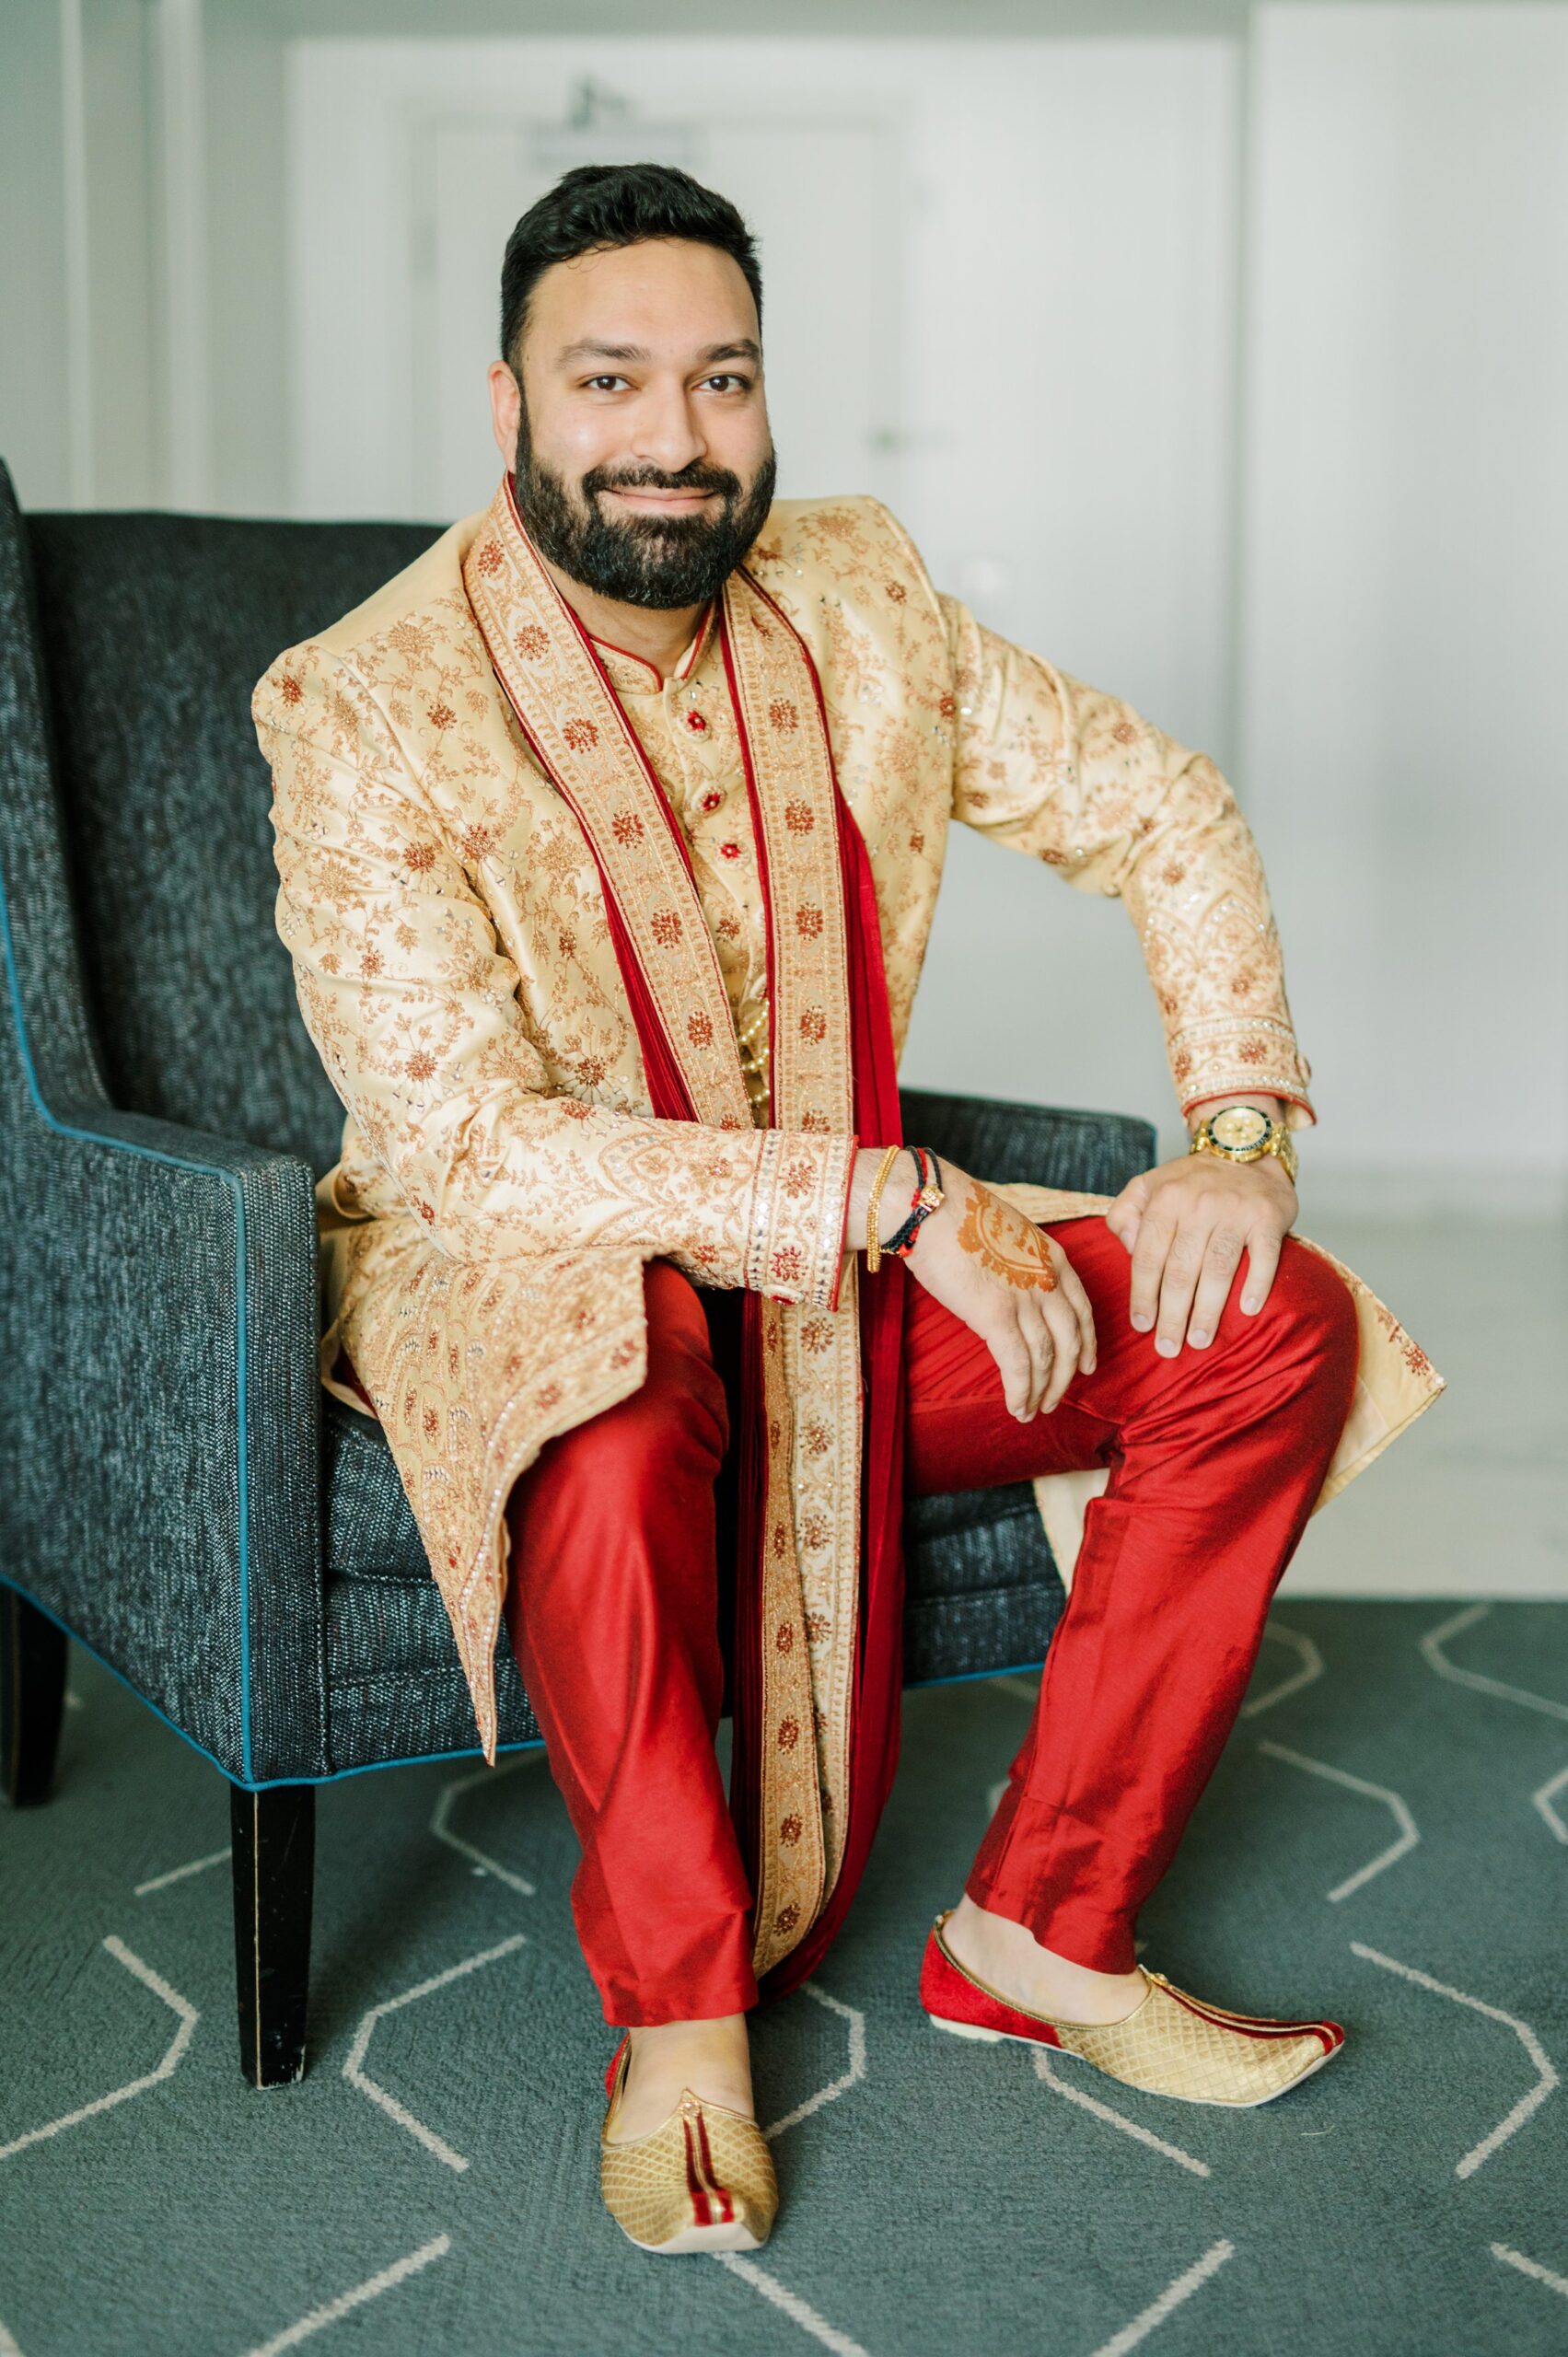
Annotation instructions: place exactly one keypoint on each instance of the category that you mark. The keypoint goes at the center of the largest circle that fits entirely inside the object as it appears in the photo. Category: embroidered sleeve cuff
(798, 1212)
(1255, 1058)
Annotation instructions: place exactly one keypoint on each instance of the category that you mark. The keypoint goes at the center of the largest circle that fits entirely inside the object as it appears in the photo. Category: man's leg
(612, 1608)
(1216, 1458)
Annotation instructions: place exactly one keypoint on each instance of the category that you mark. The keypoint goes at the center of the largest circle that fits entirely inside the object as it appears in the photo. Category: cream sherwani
(501, 1178)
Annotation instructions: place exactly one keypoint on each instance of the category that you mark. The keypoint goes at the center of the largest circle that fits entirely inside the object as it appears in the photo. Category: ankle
(711, 2058)
(1006, 1956)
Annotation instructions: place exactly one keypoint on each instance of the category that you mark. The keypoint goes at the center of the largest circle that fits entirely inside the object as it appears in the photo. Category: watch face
(1238, 1127)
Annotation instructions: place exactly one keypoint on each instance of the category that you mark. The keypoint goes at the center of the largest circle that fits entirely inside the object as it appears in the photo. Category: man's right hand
(1004, 1277)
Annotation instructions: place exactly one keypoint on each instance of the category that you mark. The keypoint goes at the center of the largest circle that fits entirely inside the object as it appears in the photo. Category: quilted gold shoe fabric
(1170, 2044)
(701, 2180)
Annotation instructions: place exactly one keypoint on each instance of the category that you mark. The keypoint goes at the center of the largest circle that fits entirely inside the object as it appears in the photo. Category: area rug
(1385, 1841)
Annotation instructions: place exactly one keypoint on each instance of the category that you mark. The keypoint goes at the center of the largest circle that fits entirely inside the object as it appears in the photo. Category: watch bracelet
(1199, 1141)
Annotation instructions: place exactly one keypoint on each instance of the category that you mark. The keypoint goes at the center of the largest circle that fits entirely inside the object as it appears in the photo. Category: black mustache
(715, 478)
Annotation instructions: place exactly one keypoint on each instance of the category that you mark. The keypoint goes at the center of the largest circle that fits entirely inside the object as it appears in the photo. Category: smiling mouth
(668, 502)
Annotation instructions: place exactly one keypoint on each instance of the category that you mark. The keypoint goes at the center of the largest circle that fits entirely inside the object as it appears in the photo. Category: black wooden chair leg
(275, 1863)
(32, 1698)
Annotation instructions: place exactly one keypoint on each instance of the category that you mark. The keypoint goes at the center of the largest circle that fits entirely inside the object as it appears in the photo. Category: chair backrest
(154, 630)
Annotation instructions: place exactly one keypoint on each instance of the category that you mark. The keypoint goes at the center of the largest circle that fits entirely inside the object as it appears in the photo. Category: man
(609, 835)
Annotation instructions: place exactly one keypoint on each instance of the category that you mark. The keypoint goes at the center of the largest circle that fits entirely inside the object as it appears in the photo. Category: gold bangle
(872, 1247)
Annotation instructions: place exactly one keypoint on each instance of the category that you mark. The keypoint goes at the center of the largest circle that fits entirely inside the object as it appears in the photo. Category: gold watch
(1244, 1133)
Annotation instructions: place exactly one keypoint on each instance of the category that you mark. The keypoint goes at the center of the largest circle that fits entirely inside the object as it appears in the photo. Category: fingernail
(1198, 1336)
(1250, 1301)
(1167, 1347)
(1141, 1320)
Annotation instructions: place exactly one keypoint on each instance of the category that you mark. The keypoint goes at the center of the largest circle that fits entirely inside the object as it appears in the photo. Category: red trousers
(616, 1608)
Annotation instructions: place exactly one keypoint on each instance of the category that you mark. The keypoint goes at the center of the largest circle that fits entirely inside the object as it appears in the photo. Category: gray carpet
(1387, 1840)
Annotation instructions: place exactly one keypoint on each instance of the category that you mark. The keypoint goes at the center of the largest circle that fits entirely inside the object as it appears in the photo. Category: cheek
(572, 441)
(737, 439)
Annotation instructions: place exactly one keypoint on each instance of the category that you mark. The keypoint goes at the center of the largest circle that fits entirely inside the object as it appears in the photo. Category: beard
(660, 560)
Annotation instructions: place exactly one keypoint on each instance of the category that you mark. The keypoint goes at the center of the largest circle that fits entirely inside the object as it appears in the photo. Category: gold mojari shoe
(1170, 2044)
(703, 2180)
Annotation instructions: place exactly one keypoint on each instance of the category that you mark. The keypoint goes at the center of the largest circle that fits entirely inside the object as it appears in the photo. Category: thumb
(1124, 1216)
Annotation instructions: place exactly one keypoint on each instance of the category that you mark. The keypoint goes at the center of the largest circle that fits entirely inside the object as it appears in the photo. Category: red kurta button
(712, 799)
(730, 851)
(695, 720)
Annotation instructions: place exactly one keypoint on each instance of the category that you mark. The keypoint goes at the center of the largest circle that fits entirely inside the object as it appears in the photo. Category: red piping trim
(721, 2192)
(701, 2212)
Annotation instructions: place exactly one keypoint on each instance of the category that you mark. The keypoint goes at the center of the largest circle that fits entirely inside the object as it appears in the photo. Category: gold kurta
(502, 1177)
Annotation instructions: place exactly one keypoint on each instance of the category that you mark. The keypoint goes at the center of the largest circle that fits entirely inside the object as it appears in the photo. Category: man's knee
(1310, 1299)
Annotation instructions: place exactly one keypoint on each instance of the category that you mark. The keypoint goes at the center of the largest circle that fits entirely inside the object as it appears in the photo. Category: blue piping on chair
(205, 1170)
(972, 1676)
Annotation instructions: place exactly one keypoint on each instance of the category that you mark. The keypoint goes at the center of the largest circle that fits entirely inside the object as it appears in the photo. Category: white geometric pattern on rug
(179, 1874)
(1408, 1836)
(356, 2075)
(1431, 1646)
(1169, 2300)
(450, 1794)
(1100, 2109)
(1309, 1666)
(1546, 2074)
(187, 2018)
(1543, 1798)
(371, 2288)
(798, 2310)
(1532, 2268)
(854, 2072)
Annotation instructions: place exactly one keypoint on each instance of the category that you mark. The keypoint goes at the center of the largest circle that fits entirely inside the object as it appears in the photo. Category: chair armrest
(1044, 1145)
(160, 1418)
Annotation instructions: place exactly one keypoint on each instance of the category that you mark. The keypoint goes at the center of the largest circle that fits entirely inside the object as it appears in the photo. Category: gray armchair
(177, 1493)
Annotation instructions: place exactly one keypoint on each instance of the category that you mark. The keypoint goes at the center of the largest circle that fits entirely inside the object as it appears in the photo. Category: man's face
(641, 457)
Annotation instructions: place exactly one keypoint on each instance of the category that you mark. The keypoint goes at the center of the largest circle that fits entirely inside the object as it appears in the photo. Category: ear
(505, 411)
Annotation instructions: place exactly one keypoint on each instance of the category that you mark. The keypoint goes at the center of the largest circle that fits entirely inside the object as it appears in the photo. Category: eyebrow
(590, 349)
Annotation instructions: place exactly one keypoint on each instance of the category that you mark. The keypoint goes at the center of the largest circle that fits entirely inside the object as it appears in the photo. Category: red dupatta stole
(819, 1580)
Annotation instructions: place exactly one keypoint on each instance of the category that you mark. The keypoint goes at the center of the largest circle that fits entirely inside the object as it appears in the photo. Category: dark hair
(595, 206)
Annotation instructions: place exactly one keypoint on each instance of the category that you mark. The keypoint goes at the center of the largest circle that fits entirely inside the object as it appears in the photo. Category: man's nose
(666, 431)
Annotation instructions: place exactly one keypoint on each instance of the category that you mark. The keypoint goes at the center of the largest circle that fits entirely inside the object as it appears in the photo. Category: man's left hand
(1187, 1224)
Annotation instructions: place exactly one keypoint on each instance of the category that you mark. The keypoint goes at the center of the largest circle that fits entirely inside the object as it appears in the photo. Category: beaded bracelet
(901, 1241)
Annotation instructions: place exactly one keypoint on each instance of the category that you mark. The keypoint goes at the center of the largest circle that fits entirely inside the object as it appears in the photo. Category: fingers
(1222, 1256)
(1067, 1334)
(1041, 1340)
(1070, 1290)
(1264, 1248)
(1177, 1287)
(1014, 1363)
(1156, 1234)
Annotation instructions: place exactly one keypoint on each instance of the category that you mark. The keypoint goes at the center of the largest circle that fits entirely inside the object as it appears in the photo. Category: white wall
(1405, 586)
(1229, 372)
(999, 291)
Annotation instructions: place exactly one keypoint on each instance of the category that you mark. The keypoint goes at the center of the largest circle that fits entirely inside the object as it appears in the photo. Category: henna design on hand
(1008, 1244)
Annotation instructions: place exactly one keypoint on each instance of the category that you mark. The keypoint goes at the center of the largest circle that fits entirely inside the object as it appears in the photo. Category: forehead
(668, 296)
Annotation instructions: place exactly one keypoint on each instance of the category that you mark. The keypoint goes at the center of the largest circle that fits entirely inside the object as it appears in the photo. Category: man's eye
(602, 384)
(728, 380)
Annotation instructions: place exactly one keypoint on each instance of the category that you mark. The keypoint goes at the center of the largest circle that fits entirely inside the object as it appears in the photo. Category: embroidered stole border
(810, 1418)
